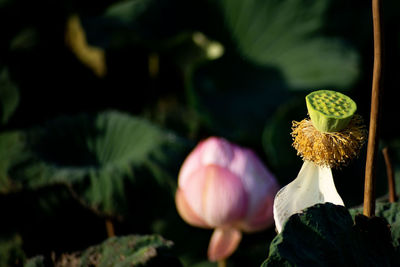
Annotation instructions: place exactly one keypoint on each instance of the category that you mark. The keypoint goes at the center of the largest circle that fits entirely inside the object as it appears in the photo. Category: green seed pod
(330, 111)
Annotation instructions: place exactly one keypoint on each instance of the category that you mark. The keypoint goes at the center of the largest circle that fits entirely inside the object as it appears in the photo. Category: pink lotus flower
(226, 187)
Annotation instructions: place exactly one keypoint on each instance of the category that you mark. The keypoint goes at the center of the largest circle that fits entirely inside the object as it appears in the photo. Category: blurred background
(101, 101)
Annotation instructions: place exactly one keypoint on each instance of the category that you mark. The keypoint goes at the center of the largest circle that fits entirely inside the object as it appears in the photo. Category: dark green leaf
(277, 141)
(285, 35)
(11, 253)
(11, 147)
(325, 235)
(132, 250)
(9, 96)
(25, 40)
(235, 97)
(127, 11)
(4, 3)
(139, 22)
(389, 211)
(96, 156)
(37, 261)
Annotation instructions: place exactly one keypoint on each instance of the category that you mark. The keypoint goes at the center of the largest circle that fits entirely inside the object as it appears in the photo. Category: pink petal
(258, 181)
(261, 218)
(224, 198)
(191, 164)
(224, 241)
(213, 150)
(217, 151)
(193, 191)
(186, 212)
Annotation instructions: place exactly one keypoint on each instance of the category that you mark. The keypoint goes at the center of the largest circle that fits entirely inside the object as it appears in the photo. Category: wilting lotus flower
(314, 184)
(226, 187)
(331, 138)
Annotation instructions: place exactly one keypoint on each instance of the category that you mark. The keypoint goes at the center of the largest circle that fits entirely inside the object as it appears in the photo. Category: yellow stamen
(328, 149)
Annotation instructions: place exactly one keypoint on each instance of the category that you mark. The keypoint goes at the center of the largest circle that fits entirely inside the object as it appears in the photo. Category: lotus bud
(225, 187)
(331, 138)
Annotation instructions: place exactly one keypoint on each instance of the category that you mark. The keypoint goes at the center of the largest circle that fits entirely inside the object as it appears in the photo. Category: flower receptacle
(330, 111)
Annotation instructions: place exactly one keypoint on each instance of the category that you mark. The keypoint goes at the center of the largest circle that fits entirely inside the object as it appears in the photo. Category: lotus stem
(222, 263)
(110, 228)
(390, 175)
(369, 189)
(154, 65)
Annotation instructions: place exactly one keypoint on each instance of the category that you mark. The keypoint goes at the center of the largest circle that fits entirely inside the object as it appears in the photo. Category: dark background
(274, 53)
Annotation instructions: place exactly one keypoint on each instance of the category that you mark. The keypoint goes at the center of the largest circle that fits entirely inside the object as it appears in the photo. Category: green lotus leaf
(131, 250)
(12, 145)
(278, 146)
(4, 3)
(134, 22)
(325, 235)
(96, 156)
(9, 96)
(37, 261)
(127, 11)
(235, 98)
(286, 35)
(27, 39)
(389, 211)
(276, 50)
(136, 251)
(11, 252)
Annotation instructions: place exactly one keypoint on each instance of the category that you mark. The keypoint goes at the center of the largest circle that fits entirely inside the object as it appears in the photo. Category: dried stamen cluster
(330, 149)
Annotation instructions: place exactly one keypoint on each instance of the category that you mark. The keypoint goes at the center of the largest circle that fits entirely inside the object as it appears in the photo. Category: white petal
(314, 184)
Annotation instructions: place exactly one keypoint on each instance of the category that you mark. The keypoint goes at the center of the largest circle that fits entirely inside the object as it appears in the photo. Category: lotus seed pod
(330, 111)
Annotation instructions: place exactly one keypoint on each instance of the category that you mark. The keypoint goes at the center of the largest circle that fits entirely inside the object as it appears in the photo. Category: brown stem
(369, 189)
(222, 263)
(110, 228)
(390, 175)
(76, 197)
(154, 65)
